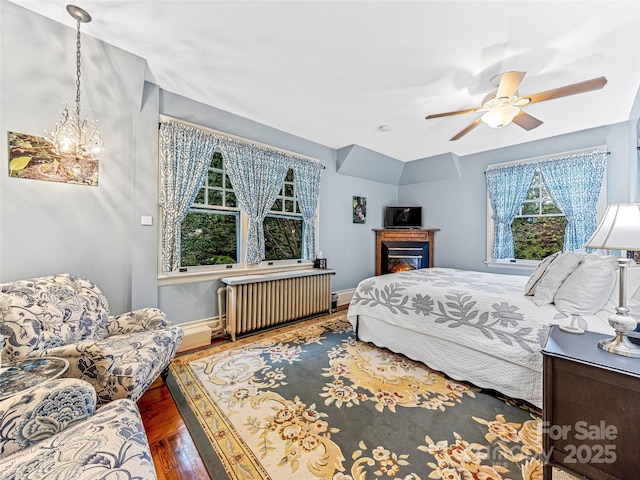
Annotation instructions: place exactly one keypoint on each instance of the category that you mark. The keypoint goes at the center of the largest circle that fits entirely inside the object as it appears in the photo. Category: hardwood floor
(174, 454)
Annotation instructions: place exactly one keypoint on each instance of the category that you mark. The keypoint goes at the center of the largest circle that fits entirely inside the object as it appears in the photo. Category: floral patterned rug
(308, 401)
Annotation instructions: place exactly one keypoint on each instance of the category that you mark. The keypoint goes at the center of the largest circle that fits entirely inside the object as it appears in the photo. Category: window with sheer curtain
(541, 206)
(228, 203)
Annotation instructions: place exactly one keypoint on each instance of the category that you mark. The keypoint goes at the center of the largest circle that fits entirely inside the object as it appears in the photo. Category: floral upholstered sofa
(55, 432)
(67, 316)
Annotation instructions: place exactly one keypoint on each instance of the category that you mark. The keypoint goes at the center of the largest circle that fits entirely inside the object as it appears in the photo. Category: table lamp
(620, 230)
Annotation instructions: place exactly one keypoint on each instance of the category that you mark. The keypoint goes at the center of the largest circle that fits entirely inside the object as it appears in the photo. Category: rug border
(208, 455)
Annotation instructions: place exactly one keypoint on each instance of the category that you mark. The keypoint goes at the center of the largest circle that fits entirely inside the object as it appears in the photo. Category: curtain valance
(598, 156)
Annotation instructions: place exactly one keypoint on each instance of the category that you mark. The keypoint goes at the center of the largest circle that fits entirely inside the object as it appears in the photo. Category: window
(283, 226)
(538, 228)
(211, 229)
(525, 224)
(204, 231)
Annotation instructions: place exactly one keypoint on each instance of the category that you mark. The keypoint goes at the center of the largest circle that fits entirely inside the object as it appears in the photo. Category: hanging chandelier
(74, 136)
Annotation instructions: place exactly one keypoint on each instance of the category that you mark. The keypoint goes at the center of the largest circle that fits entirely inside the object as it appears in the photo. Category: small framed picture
(359, 210)
(634, 255)
(320, 263)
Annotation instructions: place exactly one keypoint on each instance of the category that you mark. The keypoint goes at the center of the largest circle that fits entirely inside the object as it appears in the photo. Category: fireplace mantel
(402, 235)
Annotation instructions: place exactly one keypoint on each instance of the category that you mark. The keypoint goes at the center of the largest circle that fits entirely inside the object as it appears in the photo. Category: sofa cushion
(51, 311)
(138, 360)
(33, 416)
(111, 444)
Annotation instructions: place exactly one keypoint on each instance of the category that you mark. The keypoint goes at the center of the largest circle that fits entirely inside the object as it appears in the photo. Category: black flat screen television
(402, 217)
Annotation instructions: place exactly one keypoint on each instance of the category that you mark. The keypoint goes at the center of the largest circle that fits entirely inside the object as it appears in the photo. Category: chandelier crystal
(73, 135)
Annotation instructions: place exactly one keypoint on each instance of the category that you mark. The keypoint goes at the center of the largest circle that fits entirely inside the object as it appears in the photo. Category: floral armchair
(67, 316)
(54, 431)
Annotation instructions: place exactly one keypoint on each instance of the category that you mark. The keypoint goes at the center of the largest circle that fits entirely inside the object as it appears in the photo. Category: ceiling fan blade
(438, 115)
(469, 127)
(581, 87)
(509, 83)
(526, 121)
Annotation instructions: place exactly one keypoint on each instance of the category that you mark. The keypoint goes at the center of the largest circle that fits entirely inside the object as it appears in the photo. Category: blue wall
(48, 227)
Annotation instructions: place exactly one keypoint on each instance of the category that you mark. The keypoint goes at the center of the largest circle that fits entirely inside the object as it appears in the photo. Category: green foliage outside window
(537, 237)
(283, 231)
(282, 238)
(209, 238)
(538, 229)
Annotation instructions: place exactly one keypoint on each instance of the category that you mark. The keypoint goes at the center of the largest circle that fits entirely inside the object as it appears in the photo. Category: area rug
(308, 401)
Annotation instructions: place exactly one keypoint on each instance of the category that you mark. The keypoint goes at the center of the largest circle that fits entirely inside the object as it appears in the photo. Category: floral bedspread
(484, 311)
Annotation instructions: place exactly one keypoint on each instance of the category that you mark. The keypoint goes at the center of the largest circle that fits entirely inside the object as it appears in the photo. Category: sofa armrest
(140, 320)
(87, 360)
(38, 414)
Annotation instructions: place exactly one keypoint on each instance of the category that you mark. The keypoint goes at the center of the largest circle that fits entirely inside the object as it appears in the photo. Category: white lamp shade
(500, 116)
(619, 229)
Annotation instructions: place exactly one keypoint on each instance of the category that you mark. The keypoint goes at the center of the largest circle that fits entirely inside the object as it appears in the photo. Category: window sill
(213, 275)
(526, 266)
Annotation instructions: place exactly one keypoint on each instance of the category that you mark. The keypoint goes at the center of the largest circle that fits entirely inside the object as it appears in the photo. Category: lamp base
(620, 345)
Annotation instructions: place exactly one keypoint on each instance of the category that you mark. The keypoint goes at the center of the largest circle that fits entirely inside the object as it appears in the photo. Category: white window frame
(530, 265)
(203, 273)
(283, 213)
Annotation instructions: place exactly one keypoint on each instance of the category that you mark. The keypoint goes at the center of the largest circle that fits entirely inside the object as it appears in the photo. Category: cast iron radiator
(258, 301)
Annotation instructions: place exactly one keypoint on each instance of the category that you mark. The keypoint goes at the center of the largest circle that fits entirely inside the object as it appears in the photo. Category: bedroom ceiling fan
(503, 106)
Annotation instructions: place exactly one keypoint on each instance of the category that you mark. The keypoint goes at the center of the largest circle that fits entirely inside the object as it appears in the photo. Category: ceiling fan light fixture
(501, 116)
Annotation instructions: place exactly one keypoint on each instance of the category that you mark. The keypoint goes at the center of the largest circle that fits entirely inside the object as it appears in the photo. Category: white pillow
(588, 288)
(556, 273)
(532, 283)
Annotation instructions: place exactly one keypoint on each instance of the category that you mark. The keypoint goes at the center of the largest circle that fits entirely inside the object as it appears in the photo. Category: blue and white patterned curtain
(306, 177)
(574, 183)
(185, 156)
(257, 175)
(508, 187)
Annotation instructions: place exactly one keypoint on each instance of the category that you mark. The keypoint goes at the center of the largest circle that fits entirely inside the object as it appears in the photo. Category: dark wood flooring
(174, 453)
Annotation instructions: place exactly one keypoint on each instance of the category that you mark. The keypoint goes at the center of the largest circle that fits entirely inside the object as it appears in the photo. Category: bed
(473, 326)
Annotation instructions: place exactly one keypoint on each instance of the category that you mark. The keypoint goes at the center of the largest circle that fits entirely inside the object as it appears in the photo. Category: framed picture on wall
(33, 157)
(359, 210)
(634, 255)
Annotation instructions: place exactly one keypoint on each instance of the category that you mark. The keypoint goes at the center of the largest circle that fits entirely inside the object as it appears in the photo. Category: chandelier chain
(78, 70)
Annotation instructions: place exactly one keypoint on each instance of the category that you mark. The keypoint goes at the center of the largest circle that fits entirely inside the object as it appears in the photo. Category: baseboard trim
(344, 296)
(199, 333)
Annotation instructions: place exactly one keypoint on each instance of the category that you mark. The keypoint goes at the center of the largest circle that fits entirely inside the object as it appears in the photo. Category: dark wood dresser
(591, 415)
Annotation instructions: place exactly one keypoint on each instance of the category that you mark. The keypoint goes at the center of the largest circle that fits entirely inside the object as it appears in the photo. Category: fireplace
(402, 256)
(401, 250)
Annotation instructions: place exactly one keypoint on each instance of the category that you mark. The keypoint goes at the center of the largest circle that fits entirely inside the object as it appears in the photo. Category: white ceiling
(334, 71)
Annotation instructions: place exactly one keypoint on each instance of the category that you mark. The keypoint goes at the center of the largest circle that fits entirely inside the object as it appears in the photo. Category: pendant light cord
(78, 71)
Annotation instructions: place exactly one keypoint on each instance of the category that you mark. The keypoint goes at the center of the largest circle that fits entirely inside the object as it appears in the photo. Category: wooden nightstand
(591, 408)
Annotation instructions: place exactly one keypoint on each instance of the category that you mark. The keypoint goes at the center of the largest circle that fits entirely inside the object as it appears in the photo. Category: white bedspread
(485, 312)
